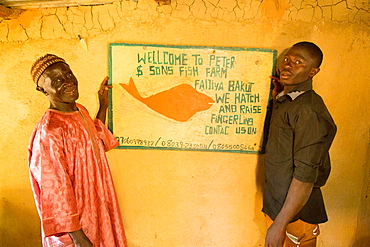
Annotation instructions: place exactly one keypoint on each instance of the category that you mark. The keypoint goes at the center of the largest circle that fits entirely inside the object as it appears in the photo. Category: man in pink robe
(70, 177)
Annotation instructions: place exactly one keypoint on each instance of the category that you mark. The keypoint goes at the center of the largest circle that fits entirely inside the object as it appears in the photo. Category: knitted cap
(42, 63)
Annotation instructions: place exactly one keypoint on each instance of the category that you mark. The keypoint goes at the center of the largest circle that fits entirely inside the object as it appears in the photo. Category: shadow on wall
(362, 235)
(18, 226)
(260, 169)
(260, 180)
(362, 242)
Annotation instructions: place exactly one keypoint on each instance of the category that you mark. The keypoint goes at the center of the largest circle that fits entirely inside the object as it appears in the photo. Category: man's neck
(302, 86)
(64, 107)
(288, 89)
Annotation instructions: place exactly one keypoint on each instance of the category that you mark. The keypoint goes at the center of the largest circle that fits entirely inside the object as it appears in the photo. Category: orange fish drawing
(179, 103)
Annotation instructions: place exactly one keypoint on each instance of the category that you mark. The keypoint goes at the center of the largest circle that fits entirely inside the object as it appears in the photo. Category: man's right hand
(275, 236)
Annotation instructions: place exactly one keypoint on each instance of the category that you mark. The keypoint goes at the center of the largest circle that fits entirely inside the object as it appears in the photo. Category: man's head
(42, 63)
(55, 79)
(301, 62)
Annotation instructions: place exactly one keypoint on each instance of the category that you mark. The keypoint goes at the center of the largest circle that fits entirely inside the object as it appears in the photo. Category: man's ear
(42, 90)
(313, 72)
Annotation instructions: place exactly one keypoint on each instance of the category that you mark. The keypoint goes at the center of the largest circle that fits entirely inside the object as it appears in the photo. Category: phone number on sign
(127, 141)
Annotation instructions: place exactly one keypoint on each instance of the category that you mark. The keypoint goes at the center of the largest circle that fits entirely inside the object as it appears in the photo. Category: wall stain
(163, 2)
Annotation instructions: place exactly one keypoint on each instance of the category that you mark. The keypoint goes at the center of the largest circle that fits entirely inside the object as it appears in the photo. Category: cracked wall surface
(189, 199)
(88, 21)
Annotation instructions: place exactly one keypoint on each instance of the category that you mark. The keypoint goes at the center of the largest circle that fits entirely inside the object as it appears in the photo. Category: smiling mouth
(71, 90)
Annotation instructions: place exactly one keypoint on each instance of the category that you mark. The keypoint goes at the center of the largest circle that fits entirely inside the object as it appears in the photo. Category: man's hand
(275, 236)
(277, 86)
(103, 100)
(79, 238)
(297, 196)
(103, 93)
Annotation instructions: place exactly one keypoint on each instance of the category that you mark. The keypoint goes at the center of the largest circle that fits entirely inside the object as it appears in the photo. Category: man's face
(59, 84)
(297, 66)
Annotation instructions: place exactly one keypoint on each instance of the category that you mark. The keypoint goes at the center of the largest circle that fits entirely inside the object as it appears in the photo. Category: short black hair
(314, 51)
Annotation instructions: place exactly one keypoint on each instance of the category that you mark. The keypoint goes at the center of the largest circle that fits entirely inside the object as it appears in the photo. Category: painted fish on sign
(179, 103)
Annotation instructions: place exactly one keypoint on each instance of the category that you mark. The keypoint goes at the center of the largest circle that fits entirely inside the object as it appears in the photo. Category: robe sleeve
(54, 192)
(109, 140)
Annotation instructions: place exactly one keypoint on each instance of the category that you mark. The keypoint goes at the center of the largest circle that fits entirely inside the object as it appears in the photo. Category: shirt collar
(303, 86)
(297, 90)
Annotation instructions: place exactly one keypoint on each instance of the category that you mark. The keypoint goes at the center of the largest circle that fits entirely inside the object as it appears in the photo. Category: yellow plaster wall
(184, 198)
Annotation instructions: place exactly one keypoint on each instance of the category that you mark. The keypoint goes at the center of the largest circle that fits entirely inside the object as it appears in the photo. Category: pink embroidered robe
(71, 180)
